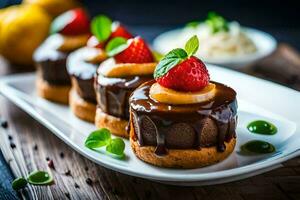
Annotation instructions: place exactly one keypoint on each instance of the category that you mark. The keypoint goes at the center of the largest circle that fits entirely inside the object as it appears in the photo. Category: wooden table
(35, 143)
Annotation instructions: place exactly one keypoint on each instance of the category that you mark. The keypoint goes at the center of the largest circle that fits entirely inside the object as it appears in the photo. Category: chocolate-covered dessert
(83, 63)
(82, 70)
(181, 119)
(117, 78)
(53, 81)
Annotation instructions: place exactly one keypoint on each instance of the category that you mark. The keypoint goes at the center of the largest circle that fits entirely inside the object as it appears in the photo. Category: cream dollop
(169, 96)
(110, 68)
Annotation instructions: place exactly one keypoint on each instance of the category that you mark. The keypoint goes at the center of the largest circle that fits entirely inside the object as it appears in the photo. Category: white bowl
(264, 42)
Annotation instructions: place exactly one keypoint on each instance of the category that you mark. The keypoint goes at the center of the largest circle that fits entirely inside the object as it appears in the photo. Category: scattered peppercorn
(86, 169)
(10, 137)
(76, 185)
(89, 181)
(62, 155)
(47, 158)
(68, 195)
(4, 123)
(51, 164)
(35, 147)
(68, 173)
(12, 145)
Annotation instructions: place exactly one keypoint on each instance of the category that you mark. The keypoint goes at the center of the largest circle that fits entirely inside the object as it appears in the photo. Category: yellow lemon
(54, 7)
(22, 30)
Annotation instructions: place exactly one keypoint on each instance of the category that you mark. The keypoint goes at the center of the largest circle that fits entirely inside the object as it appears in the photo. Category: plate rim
(8, 91)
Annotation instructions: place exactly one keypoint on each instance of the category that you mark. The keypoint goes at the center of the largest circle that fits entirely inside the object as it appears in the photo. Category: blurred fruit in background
(53, 7)
(24, 27)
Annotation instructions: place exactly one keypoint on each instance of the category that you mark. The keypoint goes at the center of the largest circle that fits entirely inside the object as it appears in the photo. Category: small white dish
(257, 99)
(264, 42)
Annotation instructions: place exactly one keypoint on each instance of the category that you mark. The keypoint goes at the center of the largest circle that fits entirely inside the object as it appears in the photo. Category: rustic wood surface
(35, 143)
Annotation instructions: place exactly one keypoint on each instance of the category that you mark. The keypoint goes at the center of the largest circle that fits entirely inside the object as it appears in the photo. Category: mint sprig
(216, 22)
(192, 45)
(193, 24)
(116, 146)
(176, 56)
(34, 178)
(115, 46)
(101, 138)
(101, 27)
(98, 138)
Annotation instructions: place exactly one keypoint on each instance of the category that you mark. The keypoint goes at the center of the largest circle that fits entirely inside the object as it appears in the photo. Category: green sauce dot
(40, 178)
(257, 147)
(19, 183)
(262, 127)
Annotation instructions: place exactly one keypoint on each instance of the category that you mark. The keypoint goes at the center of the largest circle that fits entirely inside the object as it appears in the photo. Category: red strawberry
(75, 22)
(137, 52)
(191, 75)
(119, 31)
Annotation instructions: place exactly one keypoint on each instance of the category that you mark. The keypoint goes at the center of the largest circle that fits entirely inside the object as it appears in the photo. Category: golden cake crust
(58, 94)
(116, 125)
(181, 158)
(81, 108)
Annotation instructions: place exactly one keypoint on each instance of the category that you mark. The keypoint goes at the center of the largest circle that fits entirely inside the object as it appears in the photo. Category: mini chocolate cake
(125, 70)
(183, 136)
(70, 31)
(53, 81)
(82, 72)
(113, 97)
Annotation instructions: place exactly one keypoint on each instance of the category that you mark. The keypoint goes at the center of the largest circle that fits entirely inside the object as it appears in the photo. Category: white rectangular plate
(257, 99)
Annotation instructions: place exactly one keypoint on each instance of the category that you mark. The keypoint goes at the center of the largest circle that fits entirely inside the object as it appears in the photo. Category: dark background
(149, 18)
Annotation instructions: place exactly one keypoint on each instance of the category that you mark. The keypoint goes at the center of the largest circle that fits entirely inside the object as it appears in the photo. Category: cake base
(182, 158)
(81, 108)
(116, 125)
(58, 94)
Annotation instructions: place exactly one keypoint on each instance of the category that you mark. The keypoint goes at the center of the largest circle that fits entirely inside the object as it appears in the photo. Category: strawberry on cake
(69, 32)
(82, 65)
(131, 63)
(182, 119)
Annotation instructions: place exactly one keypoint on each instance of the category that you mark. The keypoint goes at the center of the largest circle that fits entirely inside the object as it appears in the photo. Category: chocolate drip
(83, 72)
(113, 93)
(184, 126)
(51, 63)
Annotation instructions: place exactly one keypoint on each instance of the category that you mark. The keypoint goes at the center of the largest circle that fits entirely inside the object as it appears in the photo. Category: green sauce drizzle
(257, 147)
(40, 178)
(262, 127)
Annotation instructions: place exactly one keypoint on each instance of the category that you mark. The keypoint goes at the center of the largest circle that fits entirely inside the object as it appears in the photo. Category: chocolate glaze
(189, 126)
(51, 63)
(83, 72)
(113, 93)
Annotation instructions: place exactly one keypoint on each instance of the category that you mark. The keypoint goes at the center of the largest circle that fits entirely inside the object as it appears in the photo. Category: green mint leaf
(19, 183)
(40, 178)
(98, 138)
(116, 146)
(115, 46)
(192, 45)
(193, 24)
(61, 21)
(170, 60)
(101, 27)
(216, 22)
